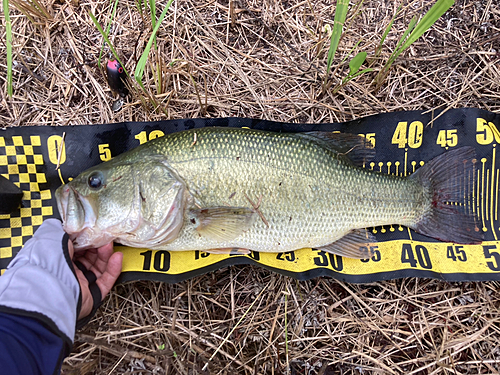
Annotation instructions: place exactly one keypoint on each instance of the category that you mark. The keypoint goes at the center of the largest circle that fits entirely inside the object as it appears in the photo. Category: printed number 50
(495, 265)
(487, 132)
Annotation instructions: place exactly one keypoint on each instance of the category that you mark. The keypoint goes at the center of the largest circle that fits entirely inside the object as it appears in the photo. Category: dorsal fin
(352, 146)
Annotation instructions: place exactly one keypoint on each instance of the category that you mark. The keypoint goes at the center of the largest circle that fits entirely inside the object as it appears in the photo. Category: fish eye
(95, 180)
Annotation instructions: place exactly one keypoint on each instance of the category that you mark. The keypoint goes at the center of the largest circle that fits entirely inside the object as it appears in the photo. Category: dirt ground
(266, 59)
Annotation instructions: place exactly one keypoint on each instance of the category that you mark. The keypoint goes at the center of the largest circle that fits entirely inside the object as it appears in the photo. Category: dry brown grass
(398, 327)
(266, 59)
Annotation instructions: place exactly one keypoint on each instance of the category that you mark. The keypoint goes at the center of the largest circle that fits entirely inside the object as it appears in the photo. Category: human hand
(105, 265)
(49, 282)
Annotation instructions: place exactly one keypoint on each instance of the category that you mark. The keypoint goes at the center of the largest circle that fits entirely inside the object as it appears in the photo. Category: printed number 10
(161, 260)
(142, 137)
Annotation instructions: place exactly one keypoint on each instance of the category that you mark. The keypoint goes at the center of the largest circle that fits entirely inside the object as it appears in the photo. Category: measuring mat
(403, 142)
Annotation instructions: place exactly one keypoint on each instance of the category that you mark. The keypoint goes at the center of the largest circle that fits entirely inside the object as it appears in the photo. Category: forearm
(39, 303)
(43, 292)
(28, 346)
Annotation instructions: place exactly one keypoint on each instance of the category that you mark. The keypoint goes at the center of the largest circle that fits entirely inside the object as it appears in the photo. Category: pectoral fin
(222, 223)
(355, 244)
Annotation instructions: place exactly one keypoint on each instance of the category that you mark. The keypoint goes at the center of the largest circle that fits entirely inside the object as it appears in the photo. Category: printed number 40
(411, 135)
(422, 259)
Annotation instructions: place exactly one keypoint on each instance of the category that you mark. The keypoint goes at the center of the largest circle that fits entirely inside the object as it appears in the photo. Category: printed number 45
(447, 138)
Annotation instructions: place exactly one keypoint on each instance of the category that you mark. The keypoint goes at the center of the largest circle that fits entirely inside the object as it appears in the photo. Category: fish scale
(324, 196)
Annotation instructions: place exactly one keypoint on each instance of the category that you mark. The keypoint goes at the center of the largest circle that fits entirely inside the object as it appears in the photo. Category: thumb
(71, 249)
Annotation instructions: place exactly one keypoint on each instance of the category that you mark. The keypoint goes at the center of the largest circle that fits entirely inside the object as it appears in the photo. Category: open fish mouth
(77, 213)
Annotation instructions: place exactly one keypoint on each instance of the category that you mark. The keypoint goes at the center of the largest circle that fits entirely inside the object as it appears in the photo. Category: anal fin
(355, 244)
(222, 223)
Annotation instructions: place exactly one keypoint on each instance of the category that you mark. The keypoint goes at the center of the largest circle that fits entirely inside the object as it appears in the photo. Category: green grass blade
(398, 50)
(356, 62)
(338, 23)
(389, 27)
(152, 8)
(105, 36)
(386, 32)
(414, 31)
(409, 29)
(352, 49)
(138, 4)
(359, 73)
(108, 27)
(141, 64)
(8, 33)
(428, 20)
(350, 77)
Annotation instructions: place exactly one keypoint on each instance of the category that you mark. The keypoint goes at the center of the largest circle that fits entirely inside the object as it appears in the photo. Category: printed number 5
(104, 152)
(494, 266)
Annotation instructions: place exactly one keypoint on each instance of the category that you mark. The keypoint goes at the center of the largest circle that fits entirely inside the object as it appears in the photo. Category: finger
(110, 275)
(96, 260)
(82, 280)
(87, 257)
(87, 302)
(71, 249)
(104, 253)
(101, 261)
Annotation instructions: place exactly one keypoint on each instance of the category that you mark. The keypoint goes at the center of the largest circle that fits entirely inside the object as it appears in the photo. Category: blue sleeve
(28, 346)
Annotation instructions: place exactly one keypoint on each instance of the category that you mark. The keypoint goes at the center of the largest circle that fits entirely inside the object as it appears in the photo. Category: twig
(59, 151)
(114, 349)
(256, 208)
(237, 324)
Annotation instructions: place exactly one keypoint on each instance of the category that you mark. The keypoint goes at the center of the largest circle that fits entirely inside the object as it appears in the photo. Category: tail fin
(450, 179)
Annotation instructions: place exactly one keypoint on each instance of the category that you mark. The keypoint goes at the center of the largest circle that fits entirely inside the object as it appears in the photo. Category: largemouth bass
(227, 189)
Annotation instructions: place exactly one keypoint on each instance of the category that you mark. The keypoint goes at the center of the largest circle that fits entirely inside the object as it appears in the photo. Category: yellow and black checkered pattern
(21, 161)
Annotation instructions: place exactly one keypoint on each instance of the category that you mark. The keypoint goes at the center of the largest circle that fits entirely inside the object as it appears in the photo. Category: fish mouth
(77, 212)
